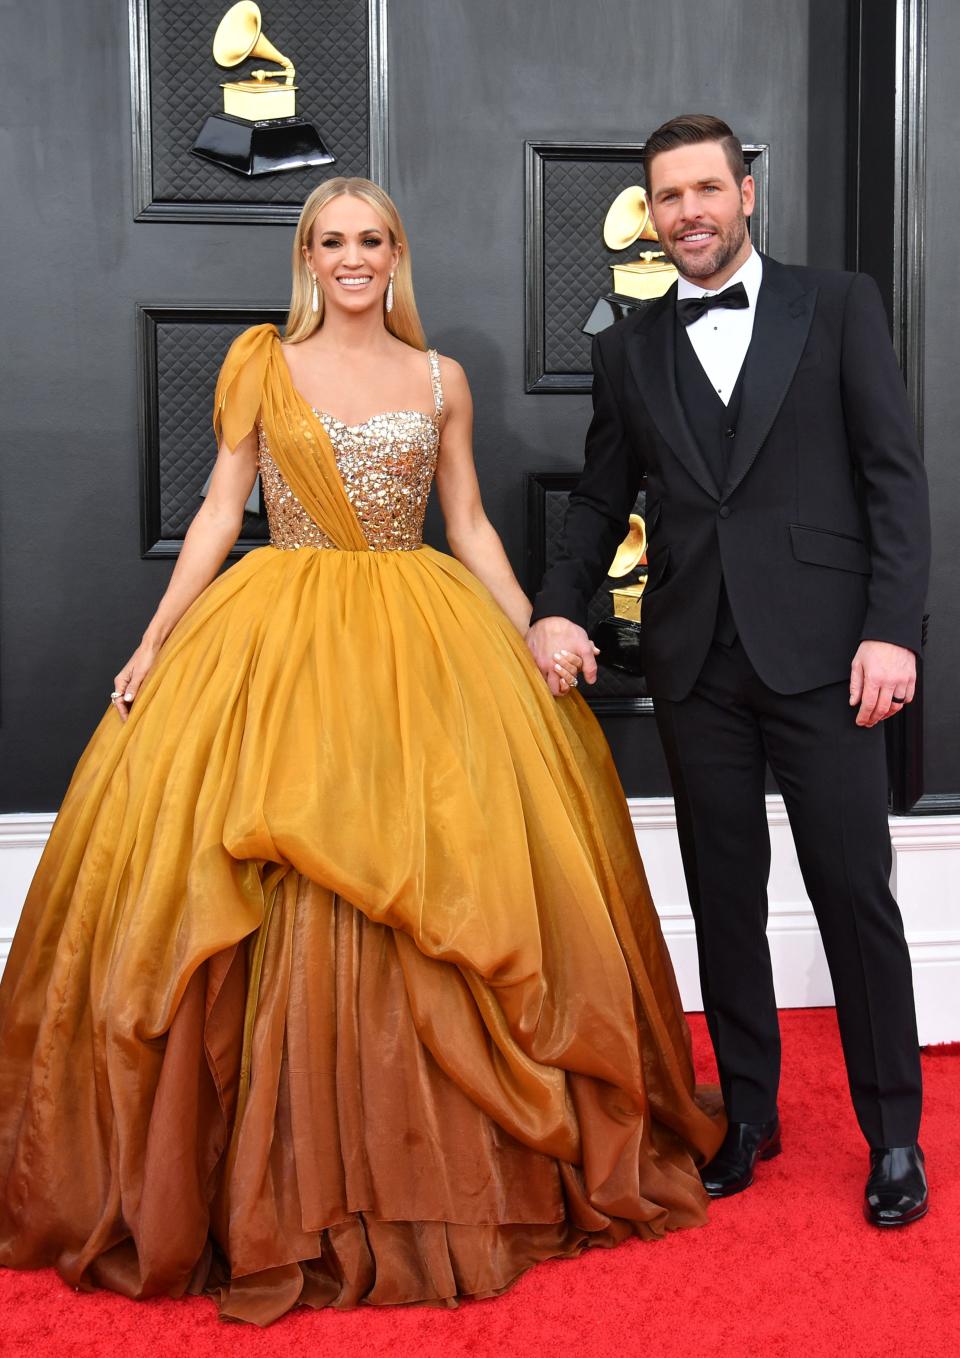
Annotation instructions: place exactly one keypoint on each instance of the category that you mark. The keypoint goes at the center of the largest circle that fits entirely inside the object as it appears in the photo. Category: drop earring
(389, 301)
(315, 303)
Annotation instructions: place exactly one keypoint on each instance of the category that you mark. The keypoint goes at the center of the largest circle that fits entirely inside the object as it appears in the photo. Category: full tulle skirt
(339, 980)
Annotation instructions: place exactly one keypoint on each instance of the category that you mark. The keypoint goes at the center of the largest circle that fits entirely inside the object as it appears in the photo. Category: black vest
(714, 426)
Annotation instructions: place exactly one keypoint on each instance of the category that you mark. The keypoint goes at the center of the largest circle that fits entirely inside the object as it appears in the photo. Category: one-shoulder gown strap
(239, 393)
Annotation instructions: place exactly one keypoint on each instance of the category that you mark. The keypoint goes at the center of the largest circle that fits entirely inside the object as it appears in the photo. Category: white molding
(936, 945)
(656, 813)
(26, 831)
(926, 852)
(926, 868)
(22, 840)
(924, 833)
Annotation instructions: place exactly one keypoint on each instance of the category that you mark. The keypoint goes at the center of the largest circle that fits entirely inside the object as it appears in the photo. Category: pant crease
(877, 1100)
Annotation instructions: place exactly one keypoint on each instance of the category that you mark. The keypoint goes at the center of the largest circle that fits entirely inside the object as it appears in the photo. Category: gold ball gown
(339, 980)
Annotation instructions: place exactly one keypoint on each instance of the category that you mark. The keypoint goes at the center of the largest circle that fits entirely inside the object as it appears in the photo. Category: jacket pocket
(824, 547)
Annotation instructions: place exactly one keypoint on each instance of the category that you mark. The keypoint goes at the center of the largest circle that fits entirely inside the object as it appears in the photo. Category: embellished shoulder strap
(240, 384)
(434, 358)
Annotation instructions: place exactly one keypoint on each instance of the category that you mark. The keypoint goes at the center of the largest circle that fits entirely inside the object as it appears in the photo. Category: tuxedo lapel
(652, 357)
(784, 312)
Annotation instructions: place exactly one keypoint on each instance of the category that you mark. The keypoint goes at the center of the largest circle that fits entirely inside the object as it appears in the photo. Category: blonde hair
(403, 321)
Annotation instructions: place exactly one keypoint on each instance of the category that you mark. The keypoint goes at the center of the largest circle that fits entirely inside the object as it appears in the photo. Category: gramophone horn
(240, 35)
(631, 550)
(628, 219)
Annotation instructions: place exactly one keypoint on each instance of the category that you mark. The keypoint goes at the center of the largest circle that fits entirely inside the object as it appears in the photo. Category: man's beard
(726, 245)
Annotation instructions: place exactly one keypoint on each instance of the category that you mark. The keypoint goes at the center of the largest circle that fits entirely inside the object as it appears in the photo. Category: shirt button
(724, 511)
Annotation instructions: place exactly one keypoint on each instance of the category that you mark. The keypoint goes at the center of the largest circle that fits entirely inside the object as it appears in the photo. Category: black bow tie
(690, 309)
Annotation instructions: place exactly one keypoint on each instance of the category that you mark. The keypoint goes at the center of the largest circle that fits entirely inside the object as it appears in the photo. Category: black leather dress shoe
(731, 1169)
(896, 1191)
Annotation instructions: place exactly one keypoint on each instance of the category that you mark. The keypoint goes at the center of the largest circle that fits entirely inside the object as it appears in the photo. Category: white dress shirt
(721, 337)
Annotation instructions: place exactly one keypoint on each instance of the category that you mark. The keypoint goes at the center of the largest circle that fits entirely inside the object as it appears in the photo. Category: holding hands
(561, 650)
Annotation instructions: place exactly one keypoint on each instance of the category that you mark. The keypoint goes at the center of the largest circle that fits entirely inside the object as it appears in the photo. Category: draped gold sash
(255, 379)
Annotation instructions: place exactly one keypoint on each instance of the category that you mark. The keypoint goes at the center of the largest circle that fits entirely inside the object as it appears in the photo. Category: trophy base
(610, 308)
(620, 643)
(267, 147)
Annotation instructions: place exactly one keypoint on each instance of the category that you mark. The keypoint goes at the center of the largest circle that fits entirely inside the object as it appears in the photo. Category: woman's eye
(373, 242)
(330, 244)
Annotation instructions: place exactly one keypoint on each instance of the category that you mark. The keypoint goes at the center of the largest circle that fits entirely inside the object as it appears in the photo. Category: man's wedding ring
(897, 699)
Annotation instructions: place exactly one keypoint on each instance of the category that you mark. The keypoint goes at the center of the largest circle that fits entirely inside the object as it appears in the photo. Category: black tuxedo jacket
(821, 532)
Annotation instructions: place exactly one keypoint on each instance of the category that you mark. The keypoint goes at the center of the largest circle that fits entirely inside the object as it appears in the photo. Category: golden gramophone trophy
(258, 131)
(618, 636)
(628, 220)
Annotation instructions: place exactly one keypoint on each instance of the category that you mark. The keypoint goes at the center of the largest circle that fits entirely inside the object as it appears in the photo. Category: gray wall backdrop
(469, 81)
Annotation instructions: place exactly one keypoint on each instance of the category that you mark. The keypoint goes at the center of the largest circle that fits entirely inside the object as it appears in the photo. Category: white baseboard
(926, 867)
(799, 966)
(22, 840)
(926, 870)
(926, 855)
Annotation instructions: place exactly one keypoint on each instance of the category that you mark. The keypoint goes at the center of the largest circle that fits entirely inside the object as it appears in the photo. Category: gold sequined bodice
(387, 465)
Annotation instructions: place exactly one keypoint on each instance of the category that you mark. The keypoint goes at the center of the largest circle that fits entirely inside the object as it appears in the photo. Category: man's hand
(549, 638)
(883, 679)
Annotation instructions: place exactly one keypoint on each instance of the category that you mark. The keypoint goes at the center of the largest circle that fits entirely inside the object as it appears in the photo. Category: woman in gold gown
(339, 980)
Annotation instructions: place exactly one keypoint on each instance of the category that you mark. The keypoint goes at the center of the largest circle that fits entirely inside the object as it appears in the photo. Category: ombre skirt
(339, 980)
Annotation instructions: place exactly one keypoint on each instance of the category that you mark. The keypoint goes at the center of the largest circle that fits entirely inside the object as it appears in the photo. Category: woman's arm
(209, 538)
(472, 537)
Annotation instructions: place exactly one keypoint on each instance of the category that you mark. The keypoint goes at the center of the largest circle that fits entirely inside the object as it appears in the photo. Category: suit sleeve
(883, 444)
(598, 511)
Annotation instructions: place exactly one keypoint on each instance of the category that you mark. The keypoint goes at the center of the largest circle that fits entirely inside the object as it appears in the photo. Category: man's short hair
(689, 130)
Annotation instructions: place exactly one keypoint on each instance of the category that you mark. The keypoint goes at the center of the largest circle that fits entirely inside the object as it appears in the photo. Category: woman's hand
(126, 684)
(567, 666)
(557, 644)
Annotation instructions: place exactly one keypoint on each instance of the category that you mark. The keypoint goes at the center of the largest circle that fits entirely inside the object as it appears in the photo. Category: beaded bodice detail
(387, 465)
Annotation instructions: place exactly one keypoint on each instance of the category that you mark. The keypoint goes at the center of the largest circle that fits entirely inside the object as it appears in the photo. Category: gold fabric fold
(255, 382)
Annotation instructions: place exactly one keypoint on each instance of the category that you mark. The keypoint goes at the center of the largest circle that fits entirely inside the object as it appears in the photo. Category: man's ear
(748, 195)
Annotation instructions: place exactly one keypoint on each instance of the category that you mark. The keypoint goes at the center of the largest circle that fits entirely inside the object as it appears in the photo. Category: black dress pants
(833, 778)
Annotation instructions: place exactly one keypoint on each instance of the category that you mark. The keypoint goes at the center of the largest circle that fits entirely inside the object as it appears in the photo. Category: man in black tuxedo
(788, 536)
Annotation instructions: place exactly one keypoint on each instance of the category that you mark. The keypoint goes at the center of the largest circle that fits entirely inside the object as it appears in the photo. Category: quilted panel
(327, 43)
(610, 683)
(189, 355)
(576, 263)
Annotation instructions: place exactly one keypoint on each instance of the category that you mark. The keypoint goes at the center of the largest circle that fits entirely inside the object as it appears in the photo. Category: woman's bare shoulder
(452, 373)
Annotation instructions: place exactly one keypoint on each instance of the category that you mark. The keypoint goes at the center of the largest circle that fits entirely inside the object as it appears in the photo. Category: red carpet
(790, 1268)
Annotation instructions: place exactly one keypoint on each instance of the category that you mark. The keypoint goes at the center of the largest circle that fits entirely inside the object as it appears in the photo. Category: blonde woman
(339, 980)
